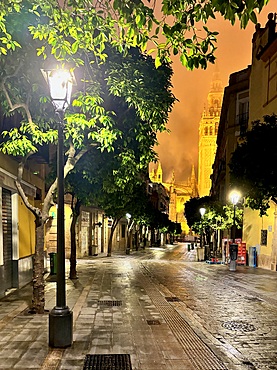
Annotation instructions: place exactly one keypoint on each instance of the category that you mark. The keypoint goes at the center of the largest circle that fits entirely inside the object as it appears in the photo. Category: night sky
(179, 149)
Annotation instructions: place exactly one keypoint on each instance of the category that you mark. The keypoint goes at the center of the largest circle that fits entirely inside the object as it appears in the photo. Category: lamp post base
(60, 327)
(233, 265)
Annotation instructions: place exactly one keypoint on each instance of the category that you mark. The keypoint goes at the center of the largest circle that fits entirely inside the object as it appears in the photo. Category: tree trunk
(73, 260)
(38, 301)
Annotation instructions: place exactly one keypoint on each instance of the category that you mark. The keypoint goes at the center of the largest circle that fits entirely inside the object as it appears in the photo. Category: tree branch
(6, 93)
(35, 211)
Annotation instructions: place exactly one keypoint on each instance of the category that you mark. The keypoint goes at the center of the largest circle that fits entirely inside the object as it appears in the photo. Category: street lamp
(128, 247)
(202, 211)
(233, 248)
(60, 83)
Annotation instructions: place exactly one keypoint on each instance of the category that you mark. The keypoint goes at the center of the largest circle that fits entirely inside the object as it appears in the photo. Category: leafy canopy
(252, 164)
(217, 216)
(65, 27)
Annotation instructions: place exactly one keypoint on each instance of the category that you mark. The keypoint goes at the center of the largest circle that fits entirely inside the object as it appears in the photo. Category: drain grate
(153, 322)
(110, 303)
(173, 299)
(107, 362)
(238, 325)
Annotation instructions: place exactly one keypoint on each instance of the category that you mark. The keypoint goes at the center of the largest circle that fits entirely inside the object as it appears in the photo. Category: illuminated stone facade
(208, 128)
(179, 194)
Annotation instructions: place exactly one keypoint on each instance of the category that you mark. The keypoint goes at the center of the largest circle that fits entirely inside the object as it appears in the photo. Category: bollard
(233, 251)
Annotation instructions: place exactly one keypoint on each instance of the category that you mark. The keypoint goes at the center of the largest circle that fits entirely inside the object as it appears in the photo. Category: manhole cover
(107, 362)
(109, 303)
(153, 322)
(172, 299)
(238, 325)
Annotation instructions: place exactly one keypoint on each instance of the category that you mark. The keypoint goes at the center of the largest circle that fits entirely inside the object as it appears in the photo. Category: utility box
(233, 251)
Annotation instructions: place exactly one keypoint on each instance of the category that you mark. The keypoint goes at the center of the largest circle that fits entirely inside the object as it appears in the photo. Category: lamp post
(60, 317)
(202, 211)
(233, 249)
(128, 247)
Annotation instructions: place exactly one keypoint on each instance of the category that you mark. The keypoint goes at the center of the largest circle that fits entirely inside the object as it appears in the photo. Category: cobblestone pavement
(160, 306)
(235, 313)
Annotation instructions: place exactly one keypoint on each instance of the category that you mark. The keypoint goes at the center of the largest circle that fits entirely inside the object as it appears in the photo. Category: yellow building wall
(252, 226)
(26, 228)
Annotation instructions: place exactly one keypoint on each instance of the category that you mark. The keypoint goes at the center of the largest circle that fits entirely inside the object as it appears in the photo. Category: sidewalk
(118, 309)
(112, 312)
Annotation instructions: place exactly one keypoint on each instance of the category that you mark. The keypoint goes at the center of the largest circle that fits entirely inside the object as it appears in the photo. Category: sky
(179, 150)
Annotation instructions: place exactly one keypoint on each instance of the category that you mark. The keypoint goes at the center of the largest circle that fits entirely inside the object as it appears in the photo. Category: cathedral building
(208, 128)
(179, 194)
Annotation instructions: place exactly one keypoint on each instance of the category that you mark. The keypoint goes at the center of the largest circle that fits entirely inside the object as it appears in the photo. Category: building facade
(17, 226)
(233, 122)
(250, 95)
(208, 128)
(179, 194)
(261, 232)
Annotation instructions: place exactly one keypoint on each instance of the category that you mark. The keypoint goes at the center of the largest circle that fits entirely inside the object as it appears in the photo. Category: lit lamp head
(128, 216)
(234, 197)
(60, 82)
(202, 211)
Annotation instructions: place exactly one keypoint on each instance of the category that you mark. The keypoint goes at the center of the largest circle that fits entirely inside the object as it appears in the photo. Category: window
(242, 111)
(263, 237)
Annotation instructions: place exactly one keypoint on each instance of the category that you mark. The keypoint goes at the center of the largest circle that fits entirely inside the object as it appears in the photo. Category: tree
(88, 123)
(111, 190)
(120, 174)
(251, 166)
(218, 216)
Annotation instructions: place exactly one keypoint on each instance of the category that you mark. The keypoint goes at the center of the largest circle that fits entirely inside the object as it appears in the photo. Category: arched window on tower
(211, 130)
(206, 131)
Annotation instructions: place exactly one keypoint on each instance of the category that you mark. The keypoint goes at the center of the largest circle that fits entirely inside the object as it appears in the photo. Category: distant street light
(60, 83)
(233, 248)
(202, 211)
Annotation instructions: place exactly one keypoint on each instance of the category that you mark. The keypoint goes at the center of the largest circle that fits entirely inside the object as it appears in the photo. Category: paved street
(159, 306)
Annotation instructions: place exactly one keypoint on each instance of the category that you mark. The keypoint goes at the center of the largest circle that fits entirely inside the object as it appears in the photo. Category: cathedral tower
(208, 127)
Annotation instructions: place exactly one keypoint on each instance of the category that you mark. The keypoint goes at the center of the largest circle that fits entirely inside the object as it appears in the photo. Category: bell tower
(208, 128)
